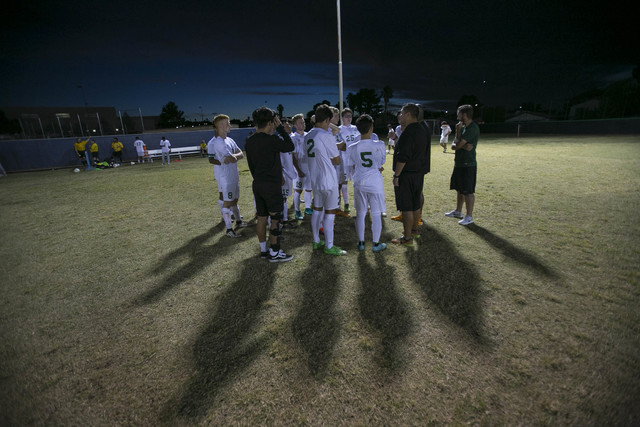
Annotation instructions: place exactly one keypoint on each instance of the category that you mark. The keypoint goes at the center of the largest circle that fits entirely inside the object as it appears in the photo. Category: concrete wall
(38, 154)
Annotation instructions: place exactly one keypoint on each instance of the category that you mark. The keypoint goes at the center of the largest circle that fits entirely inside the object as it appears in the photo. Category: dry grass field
(123, 303)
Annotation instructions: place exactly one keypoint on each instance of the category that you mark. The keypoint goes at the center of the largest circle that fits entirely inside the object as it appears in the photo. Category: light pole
(201, 115)
(86, 107)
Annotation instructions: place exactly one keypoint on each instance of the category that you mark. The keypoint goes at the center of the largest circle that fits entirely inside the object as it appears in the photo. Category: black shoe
(264, 255)
(280, 257)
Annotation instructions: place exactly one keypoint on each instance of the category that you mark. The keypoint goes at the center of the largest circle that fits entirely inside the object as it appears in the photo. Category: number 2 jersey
(321, 148)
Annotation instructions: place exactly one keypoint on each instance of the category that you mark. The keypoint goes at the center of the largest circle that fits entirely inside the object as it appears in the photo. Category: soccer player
(165, 145)
(342, 147)
(203, 148)
(300, 159)
(289, 175)
(444, 135)
(263, 156)
(117, 148)
(93, 149)
(139, 145)
(349, 134)
(463, 178)
(227, 153)
(365, 158)
(409, 161)
(323, 156)
(80, 146)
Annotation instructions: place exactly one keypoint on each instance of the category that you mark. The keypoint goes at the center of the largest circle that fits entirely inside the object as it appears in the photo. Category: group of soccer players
(319, 163)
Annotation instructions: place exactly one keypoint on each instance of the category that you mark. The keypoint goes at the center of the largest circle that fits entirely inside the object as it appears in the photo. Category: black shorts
(268, 197)
(408, 191)
(463, 180)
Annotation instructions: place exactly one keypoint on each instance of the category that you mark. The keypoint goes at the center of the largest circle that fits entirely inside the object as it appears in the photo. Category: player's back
(320, 149)
(367, 156)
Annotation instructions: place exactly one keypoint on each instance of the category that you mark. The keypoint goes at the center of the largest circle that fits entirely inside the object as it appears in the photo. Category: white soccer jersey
(165, 145)
(288, 170)
(444, 136)
(300, 151)
(398, 132)
(350, 134)
(139, 144)
(366, 157)
(221, 148)
(321, 148)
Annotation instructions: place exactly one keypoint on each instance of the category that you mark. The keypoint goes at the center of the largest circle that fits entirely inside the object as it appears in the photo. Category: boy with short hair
(302, 182)
(165, 145)
(323, 157)
(223, 149)
(349, 135)
(139, 146)
(117, 149)
(365, 160)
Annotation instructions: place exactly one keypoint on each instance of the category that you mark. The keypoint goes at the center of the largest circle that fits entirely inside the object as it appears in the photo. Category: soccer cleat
(241, 224)
(264, 255)
(233, 217)
(415, 234)
(420, 222)
(233, 234)
(384, 214)
(318, 245)
(335, 250)
(397, 217)
(347, 209)
(466, 220)
(343, 214)
(299, 216)
(402, 241)
(308, 211)
(280, 257)
(454, 214)
(289, 224)
(361, 246)
(379, 247)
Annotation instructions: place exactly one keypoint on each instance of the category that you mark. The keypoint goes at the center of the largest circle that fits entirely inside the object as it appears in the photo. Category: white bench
(174, 151)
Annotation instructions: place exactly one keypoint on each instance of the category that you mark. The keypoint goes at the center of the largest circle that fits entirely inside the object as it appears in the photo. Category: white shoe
(233, 234)
(384, 214)
(466, 220)
(454, 214)
(280, 257)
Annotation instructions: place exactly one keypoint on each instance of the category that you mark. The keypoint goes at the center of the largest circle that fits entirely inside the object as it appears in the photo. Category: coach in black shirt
(263, 156)
(410, 163)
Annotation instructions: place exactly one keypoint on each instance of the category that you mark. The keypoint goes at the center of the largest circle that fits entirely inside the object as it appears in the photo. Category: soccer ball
(133, 163)
(76, 170)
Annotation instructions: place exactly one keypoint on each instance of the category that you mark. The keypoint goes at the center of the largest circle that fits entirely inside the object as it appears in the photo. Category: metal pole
(99, 124)
(121, 123)
(59, 124)
(41, 128)
(340, 62)
(141, 121)
(22, 127)
(80, 122)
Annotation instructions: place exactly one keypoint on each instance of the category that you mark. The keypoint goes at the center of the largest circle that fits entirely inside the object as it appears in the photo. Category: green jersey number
(310, 145)
(366, 161)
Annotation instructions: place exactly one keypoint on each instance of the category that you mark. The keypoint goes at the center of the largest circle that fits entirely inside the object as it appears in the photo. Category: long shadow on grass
(448, 280)
(200, 256)
(316, 327)
(511, 251)
(228, 344)
(384, 310)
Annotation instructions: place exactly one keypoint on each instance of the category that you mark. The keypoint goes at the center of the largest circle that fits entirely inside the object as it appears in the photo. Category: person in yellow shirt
(80, 146)
(203, 148)
(93, 148)
(117, 147)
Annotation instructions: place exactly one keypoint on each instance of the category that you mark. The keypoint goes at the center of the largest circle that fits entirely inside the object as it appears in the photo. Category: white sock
(307, 199)
(226, 215)
(316, 220)
(360, 226)
(220, 204)
(345, 193)
(376, 226)
(285, 210)
(328, 230)
(236, 212)
(296, 201)
(263, 246)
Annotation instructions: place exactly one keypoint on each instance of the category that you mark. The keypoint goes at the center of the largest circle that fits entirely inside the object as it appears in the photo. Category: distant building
(64, 122)
(585, 109)
(527, 116)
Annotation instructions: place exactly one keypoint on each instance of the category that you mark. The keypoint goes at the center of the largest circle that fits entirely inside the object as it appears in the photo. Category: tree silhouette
(365, 101)
(387, 94)
(171, 116)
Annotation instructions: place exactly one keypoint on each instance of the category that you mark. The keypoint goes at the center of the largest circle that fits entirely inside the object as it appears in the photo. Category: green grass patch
(124, 303)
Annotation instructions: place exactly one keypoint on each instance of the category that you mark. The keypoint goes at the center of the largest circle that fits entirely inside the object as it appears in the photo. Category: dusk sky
(233, 56)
